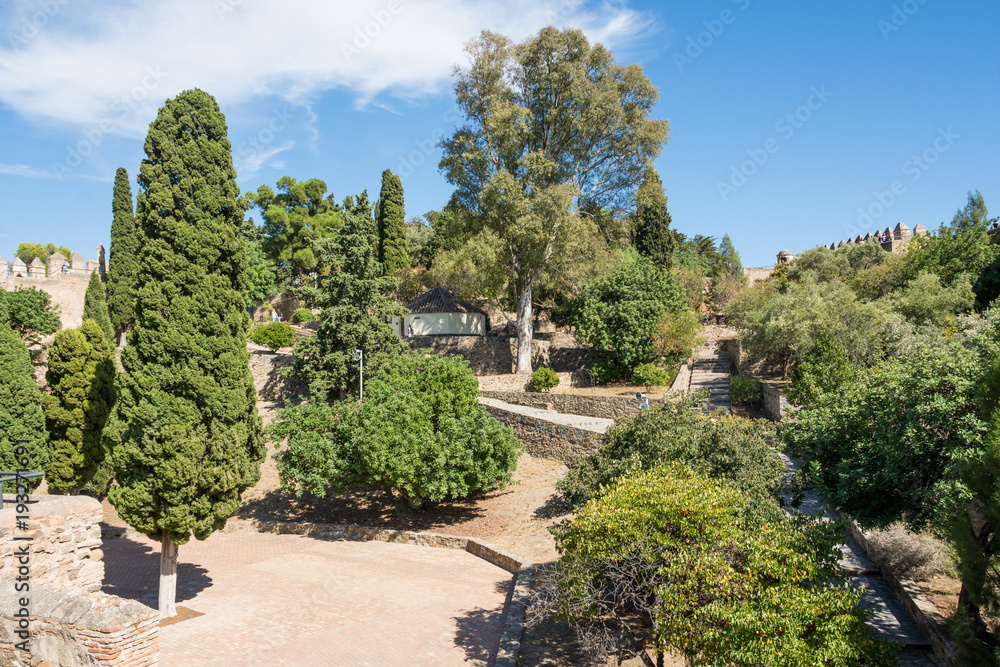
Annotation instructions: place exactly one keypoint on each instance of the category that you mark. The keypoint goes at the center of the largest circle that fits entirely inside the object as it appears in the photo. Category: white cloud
(112, 64)
(24, 170)
(249, 165)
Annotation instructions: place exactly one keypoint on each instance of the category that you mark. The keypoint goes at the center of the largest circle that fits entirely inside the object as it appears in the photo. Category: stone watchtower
(785, 257)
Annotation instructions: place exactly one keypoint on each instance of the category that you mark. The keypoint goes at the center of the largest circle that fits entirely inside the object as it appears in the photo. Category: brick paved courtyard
(295, 600)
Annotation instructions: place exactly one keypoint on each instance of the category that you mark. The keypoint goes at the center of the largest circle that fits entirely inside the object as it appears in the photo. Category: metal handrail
(15, 476)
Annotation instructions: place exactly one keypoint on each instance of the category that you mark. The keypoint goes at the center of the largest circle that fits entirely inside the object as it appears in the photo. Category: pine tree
(356, 316)
(186, 437)
(95, 307)
(651, 233)
(124, 264)
(391, 219)
(81, 375)
(21, 420)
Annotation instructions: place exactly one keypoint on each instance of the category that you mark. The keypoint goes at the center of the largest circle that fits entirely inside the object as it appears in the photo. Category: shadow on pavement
(132, 571)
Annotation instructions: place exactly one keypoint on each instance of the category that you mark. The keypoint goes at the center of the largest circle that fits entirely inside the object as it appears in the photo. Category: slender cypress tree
(21, 420)
(124, 264)
(81, 375)
(186, 437)
(651, 233)
(357, 310)
(391, 219)
(95, 307)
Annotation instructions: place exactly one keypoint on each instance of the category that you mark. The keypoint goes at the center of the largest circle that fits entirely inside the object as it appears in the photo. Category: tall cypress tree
(21, 418)
(95, 307)
(651, 233)
(81, 375)
(357, 309)
(124, 264)
(391, 219)
(187, 437)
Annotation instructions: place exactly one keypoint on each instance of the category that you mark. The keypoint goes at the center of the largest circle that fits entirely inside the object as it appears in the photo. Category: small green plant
(745, 390)
(273, 336)
(302, 315)
(544, 379)
(651, 375)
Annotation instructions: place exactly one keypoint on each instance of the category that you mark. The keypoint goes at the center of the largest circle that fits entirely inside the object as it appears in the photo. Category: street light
(643, 400)
(359, 357)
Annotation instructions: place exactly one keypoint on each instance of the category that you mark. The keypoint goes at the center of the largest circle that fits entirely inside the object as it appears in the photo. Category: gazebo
(438, 313)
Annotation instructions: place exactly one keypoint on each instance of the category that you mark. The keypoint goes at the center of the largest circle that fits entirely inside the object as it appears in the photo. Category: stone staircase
(710, 370)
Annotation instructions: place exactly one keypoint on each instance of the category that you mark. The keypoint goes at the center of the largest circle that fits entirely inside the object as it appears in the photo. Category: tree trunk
(524, 332)
(168, 577)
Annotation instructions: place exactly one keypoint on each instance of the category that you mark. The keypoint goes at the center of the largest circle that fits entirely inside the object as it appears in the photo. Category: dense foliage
(294, 218)
(81, 376)
(619, 314)
(669, 554)
(95, 307)
(651, 233)
(651, 375)
(186, 435)
(30, 313)
(273, 336)
(357, 313)
(390, 220)
(824, 368)
(420, 434)
(302, 315)
(27, 252)
(22, 422)
(123, 265)
(729, 447)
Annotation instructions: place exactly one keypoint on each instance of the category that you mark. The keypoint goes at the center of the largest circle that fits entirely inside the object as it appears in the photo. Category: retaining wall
(606, 407)
(776, 405)
(65, 545)
(522, 383)
(488, 355)
(74, 629)
(546, 439)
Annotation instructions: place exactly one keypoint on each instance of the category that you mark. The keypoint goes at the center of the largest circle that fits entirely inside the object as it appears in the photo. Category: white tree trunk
(168, 577)
(524, 332)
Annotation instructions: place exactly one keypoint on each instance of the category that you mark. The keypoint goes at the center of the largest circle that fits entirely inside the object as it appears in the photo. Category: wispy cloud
(91, 58)
(249, 165)
(24, 170)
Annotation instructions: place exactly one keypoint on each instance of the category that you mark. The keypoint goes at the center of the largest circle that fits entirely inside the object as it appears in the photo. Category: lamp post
(359, 357)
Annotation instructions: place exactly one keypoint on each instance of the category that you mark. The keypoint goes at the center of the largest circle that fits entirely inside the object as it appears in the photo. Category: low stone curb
(523, 570)
(924, 613)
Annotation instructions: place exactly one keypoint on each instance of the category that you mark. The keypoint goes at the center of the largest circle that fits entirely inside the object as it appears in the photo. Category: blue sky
(793, 123)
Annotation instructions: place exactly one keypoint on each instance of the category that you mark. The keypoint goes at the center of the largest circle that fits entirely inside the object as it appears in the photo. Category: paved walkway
(295, 600)
(710, 370)
(592, 424)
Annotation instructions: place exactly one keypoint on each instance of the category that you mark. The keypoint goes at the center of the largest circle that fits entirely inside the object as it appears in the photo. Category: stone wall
(73, 629)
(65, 545)
(66, 289)
(491, 355)
(776, 405)
(548, 440)
(272, 385)
(514, 382)
(605, 407)
(755, 273)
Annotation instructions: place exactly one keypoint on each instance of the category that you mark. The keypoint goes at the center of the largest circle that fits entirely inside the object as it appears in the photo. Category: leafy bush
(676, 334)
(273, 336)
(745, 390)
(729, 447)
(824, 368)
(665, 554)
(30, 313)
(420, 434)
(651, 375)
(618, 314)
(544, 379)
(302, 315)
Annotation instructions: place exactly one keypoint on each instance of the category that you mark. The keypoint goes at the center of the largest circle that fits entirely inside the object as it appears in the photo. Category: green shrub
(730, 447)
(667, 554)
(745, 390)
(273, 336)
(607, 369)
(420, 434)
(544, 379)
(824, 368)
(302, 315)
(651, 375)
